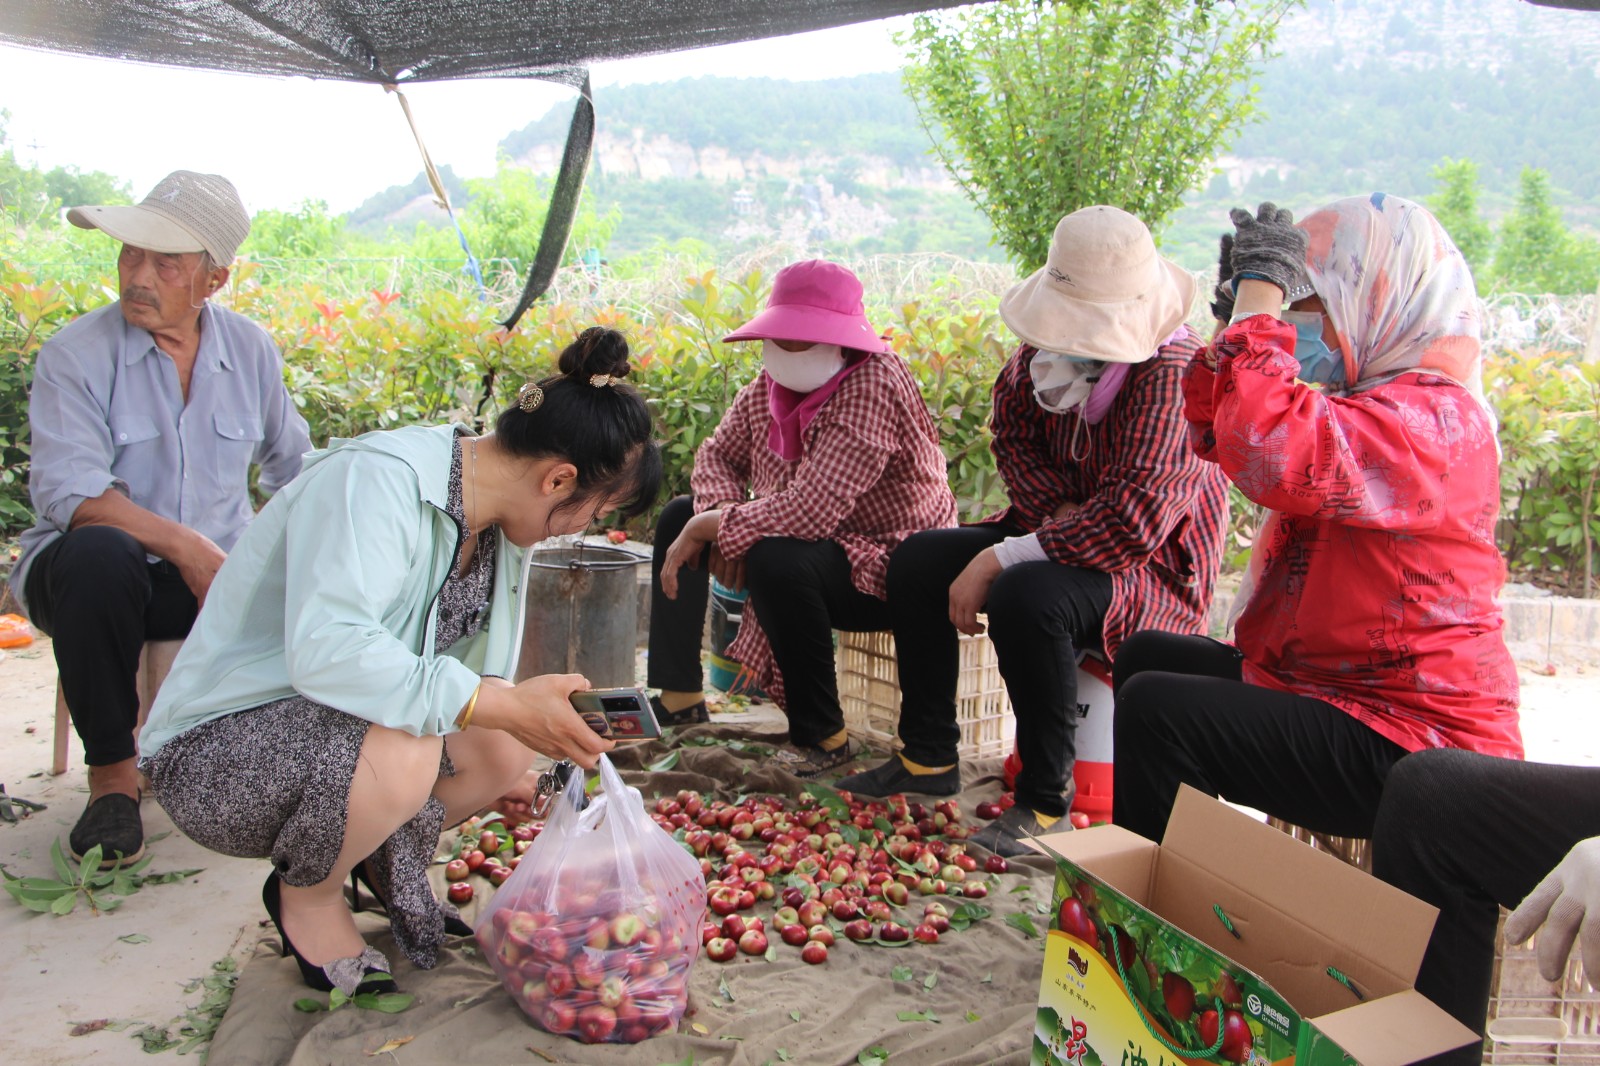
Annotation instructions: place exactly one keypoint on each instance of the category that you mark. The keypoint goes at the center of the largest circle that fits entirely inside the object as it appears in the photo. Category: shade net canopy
(400, 41)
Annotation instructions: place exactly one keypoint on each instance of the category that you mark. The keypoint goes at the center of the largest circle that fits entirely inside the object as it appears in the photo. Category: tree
(1536, 251)
(308, 232)
(1046, 106)
(1455, 205)
(504, 218)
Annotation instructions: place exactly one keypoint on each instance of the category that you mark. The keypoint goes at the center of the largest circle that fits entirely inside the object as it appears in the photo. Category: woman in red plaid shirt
(1114, 524)
(821, 466)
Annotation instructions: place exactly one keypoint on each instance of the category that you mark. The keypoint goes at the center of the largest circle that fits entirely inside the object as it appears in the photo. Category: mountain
(1364, 95)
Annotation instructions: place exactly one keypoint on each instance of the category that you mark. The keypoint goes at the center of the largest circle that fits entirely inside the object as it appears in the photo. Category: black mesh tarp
(414, 40)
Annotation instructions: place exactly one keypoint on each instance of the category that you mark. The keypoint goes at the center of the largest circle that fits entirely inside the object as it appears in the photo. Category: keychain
(551, 783)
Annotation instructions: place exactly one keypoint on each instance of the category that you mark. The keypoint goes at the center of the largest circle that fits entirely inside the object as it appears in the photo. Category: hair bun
(597, 351)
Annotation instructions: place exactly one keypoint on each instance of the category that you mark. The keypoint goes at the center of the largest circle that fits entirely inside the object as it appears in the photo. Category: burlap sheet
(848, 1004)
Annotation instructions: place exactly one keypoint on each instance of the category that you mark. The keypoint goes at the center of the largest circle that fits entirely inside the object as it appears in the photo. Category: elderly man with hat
(820, 467)
(146, 417)
(1114, 525)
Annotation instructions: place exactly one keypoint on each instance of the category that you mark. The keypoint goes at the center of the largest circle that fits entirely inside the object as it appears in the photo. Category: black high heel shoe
(373, 979)
(453, 924)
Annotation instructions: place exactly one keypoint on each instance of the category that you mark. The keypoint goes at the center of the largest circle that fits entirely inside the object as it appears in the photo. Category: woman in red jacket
(1369, 626)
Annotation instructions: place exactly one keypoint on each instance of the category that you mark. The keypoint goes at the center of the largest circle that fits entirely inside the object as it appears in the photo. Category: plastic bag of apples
(596, 930)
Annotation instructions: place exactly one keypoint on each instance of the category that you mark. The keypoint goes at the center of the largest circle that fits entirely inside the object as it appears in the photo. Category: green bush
(386, 358)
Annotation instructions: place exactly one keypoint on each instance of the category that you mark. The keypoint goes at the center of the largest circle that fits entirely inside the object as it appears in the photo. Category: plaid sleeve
(722, 466)
(1150, 481)
(1022, 451)
(848, 447)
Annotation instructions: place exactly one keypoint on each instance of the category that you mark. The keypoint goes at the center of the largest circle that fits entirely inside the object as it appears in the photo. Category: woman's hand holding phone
(538, 713)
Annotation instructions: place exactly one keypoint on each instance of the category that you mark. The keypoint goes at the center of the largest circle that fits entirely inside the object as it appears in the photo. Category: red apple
(456, 870)
(754, 942)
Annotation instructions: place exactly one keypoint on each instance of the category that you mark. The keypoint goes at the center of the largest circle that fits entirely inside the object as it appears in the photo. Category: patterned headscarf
(1397, 290)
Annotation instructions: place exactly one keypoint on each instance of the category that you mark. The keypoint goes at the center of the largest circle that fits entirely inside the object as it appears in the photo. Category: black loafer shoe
(112, 822)
(694, 714)
(1005, 835)
(892, 777)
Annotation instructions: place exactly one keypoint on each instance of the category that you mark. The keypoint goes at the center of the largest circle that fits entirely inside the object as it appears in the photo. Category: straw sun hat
(185, 212)
(1103, 292)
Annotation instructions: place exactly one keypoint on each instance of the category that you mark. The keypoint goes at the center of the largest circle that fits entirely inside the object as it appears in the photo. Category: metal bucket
(581, 614)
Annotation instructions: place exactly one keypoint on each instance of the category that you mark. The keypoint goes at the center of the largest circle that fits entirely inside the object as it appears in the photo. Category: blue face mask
(1319, 364)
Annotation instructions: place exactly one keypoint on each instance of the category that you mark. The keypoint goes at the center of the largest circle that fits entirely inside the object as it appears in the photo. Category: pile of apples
(809, 866)
(490, 850)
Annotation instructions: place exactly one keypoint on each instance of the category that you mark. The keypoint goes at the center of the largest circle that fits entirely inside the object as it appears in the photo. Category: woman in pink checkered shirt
(819, 469)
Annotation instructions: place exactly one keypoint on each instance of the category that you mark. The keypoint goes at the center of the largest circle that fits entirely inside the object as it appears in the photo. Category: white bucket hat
(185, 212)
(1103, 292)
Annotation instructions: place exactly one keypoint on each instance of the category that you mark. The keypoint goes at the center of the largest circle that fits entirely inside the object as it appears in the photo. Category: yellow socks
(678, 701)
(1046, 820)
(918, 770)
(835, 742)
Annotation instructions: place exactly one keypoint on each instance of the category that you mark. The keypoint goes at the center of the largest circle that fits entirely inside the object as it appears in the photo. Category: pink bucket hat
(817, 302)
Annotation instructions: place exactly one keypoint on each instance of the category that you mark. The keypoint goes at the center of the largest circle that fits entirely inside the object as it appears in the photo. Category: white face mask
(1062, 382)
(804, 371)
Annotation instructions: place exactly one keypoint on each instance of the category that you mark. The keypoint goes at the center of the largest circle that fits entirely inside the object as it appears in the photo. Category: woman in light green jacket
(342, 696)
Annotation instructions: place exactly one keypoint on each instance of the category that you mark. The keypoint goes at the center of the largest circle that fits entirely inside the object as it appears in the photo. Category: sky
(286, 140)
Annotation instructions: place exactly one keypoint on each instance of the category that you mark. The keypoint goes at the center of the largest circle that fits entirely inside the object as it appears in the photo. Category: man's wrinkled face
(164, 290)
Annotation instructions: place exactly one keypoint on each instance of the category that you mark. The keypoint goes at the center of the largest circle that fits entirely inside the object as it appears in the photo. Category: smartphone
(618, 713)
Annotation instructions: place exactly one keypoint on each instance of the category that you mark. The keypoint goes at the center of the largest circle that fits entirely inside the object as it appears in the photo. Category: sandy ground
(59, 972)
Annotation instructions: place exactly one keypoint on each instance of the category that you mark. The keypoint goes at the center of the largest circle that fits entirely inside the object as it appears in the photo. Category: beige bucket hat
(185, 212)
(1103, 291)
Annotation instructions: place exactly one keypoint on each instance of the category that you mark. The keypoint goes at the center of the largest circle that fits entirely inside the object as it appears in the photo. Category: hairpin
(529, 397)
(600, 381)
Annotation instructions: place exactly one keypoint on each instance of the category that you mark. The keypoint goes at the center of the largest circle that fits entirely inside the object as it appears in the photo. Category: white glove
(1567, 904)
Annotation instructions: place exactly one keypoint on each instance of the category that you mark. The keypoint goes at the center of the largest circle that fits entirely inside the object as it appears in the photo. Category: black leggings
(100, 599)
(1184, 717)
(1040, 615)
(801, 592)
(1470, 834)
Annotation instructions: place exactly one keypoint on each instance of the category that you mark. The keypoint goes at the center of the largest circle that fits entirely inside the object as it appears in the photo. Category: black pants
(1469, 834)
(1040, 615)
(93, 591)
(1183, 717)
(801, 592)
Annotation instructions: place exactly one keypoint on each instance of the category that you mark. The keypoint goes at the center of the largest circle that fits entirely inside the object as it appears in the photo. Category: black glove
(1222, 295)
(1269, 247)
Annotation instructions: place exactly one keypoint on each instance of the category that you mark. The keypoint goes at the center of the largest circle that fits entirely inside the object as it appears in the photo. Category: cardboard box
(1296, 913)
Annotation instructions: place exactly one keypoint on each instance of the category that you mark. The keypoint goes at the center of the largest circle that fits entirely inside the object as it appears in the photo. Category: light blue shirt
(333, 593)
(107, 411)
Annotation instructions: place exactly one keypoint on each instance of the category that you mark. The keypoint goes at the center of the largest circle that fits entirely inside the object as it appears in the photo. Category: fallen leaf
(872, 1056)
(973, 1016)
(929, 981)
(700, 1029)
(134, 938)
(795, 1015)
(1023, 923)
(901, 973)
(397, 1042)
(84, 1028)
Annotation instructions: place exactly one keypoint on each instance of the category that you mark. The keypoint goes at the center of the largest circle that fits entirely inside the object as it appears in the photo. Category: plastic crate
(869, 693)
(1527, 1014)
(1524, 1007)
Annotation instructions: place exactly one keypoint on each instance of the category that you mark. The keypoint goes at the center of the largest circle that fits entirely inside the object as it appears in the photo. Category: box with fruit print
(1229, 943)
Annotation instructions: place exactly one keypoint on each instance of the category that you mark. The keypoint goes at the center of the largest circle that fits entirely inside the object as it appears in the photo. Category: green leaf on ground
(917, 1016)
(309, 1005)
(134, 938)
(988, 979)
(794, 1014)
(830, 799)
(724, 991)
(666, 762)
(901, 973)
(973, 1016)
(872, 1056)
(1024, 923)
(929, 981)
